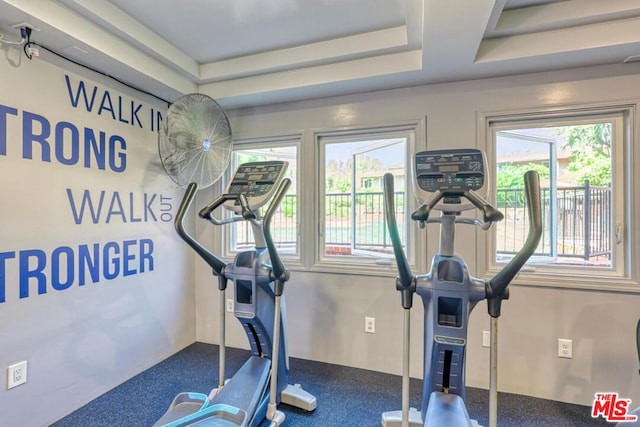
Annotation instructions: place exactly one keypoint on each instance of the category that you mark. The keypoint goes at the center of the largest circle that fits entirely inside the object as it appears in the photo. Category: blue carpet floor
(346, 396)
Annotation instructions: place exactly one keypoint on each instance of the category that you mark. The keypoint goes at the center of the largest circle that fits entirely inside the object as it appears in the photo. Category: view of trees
(338, 176)
(590, 147)
(511, 175)
(338, 173)
(590, 158)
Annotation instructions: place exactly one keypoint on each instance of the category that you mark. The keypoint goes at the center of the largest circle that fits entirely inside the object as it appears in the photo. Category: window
(582, 160)
(285, 222)
(352, 226)
(333, 217)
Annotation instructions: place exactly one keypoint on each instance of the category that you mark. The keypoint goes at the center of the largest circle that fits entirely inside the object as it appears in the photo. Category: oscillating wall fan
(195, 141)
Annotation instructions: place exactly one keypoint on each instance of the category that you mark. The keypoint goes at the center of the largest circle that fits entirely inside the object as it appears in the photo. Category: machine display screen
(257, 181)
(453, 171)
(449, 168)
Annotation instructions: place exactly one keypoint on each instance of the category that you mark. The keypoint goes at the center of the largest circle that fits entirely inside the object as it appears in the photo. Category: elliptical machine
(451, 181)
(259, 276)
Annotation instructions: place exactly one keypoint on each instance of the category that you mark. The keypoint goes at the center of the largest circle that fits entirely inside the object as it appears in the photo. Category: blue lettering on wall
(90, 261)
(73, 147)
(63, 142)
(67, 145)
(96, 146)
(128, 257)
(32, 264)
(115, 208)
(124, 112)
(111, 250)
(41, 272)
(117, 161)
(155, 120)
(29, 136)
(81, 91)
(129, 208)
(70, 145)
(106, 105)
(134, 114)
(57, 264)
(87, 201)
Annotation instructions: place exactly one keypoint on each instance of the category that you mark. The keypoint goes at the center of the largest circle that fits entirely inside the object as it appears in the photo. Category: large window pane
(353, 194)
(575, 163)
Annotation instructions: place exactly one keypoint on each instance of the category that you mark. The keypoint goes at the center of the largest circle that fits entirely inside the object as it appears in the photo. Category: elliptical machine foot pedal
(215, 415)
(394, 418)
(294, 395)
(183, 405)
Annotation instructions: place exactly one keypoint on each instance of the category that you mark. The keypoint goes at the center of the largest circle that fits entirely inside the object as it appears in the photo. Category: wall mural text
(66, 143)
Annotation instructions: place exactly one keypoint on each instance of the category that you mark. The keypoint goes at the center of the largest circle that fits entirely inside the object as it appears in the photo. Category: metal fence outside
(361, 225)
(582, 226)
(348, 227)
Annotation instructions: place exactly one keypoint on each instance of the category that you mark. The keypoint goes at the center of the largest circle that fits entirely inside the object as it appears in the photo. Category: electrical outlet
(229, 305)
(486, 339)
(16, 374)
(565, 348)
(370, 325)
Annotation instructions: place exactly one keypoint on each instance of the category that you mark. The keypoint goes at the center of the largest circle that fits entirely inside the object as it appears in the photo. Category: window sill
(571, 280)
(359, 267)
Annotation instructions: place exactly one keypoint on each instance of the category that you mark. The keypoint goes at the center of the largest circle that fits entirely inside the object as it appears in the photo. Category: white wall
(82, 340)
(326, 311)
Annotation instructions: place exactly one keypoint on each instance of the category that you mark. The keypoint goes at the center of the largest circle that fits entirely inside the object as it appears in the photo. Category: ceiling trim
(60, 18)
(592, 36)
(365, 44)
(568, 13)
(317, 75)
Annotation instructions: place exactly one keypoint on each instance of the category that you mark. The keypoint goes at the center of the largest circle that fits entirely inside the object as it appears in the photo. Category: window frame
(414, 132)
(294, 258)
(623, 274)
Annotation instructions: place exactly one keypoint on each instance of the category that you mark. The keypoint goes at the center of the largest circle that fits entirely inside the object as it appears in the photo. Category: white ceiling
(254, 52)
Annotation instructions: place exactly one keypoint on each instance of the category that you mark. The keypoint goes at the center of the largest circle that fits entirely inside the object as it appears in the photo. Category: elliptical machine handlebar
(216, 263)
(496, 287)
(246, 213)
(406, 281)
(279, 272)
(460, 220)
(489, 213)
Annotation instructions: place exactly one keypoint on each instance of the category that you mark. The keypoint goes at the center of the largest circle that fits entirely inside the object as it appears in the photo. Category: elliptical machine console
(451, 181)
(257, 181)
(258, 276)
(461, 170)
